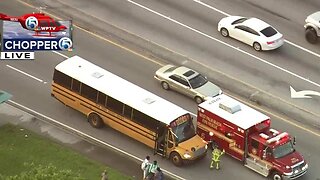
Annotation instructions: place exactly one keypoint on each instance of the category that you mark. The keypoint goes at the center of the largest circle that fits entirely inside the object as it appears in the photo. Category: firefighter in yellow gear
(216, 154)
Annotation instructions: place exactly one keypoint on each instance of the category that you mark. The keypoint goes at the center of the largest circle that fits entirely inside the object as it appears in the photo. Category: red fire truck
(246, 135)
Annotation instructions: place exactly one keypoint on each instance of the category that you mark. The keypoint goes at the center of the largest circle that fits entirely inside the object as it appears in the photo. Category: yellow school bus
(109, 100)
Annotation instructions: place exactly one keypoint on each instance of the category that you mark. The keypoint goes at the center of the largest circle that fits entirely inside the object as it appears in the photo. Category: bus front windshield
(283, 150)
(184, 131)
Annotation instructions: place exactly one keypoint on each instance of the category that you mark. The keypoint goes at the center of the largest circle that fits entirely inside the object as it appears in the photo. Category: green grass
(16, 149)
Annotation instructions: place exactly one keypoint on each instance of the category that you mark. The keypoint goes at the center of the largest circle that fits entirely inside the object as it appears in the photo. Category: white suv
(312, 27)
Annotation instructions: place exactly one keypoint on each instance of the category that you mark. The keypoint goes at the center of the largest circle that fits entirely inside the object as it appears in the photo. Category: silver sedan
(186, 81)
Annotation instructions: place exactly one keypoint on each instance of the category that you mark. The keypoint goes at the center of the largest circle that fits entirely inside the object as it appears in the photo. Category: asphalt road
(35, 94)
(190, 28)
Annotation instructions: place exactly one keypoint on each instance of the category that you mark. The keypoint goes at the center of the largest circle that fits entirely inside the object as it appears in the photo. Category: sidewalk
(104, 155)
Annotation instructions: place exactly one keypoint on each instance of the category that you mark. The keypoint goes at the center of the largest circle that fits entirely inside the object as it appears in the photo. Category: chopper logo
(31, 23)
(65, 43)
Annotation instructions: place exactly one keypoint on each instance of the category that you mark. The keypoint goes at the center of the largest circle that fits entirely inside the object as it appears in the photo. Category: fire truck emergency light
(277, 138)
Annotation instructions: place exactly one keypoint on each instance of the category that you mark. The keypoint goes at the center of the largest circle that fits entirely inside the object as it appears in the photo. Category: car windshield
(269, 31)
(283, 150)
(198, 81)
(239, 20)
(184, 131)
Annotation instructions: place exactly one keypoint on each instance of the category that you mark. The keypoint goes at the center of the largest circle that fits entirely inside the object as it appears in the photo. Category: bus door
(171, 141)
(161, 141)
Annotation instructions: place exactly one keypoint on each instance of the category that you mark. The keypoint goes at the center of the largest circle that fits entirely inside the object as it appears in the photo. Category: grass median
(19, 147)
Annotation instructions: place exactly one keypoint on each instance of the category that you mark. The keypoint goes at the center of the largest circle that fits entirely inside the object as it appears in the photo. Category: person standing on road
(216, 154)
(144, 166)
(159, 174)
(152, 170)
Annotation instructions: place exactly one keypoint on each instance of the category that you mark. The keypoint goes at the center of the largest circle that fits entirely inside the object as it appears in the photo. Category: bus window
(127, 111)
(114, 105)
(89, 92)
(144, 120)
(75, 86)
(101, 98)
(62, 79)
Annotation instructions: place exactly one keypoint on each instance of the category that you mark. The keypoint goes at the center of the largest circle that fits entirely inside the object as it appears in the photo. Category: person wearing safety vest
(152, 169)
(216, 154)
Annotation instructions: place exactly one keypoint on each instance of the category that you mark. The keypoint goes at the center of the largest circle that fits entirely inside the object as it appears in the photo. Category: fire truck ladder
(257, 165)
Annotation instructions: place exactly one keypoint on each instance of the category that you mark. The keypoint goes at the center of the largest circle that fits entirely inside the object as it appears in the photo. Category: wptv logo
(24, 35)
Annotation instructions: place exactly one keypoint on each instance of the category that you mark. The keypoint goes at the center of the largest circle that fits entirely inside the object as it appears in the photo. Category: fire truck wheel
(95, 120)
(276, 176)
(176, 159)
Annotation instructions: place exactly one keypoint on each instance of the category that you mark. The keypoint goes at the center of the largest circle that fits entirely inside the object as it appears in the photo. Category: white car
(312, 27)
(251, 31)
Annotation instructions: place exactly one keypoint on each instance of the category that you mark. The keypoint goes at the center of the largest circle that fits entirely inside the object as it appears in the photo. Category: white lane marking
(305, 49)
(38, 79)
(87, 136)
(60, 54)
(210, 7)
(287, 41)
(210, 37)
(26, 74)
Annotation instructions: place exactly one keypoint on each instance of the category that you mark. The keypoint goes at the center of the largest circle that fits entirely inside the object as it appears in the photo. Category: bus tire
(95, 120)
(276, 176)
(176, 159)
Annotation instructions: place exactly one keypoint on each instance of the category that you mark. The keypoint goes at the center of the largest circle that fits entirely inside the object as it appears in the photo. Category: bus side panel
(138, 135)
(64, 96)
(110, 118)
(129, 128)
(69, 98)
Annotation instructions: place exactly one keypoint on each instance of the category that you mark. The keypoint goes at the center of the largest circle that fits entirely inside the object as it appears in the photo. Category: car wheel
(165, 85)
(95, 120)
(198, 99)
(257, 46)
(276, 176)
(311, 35)
(224, 32)
(176, 159)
